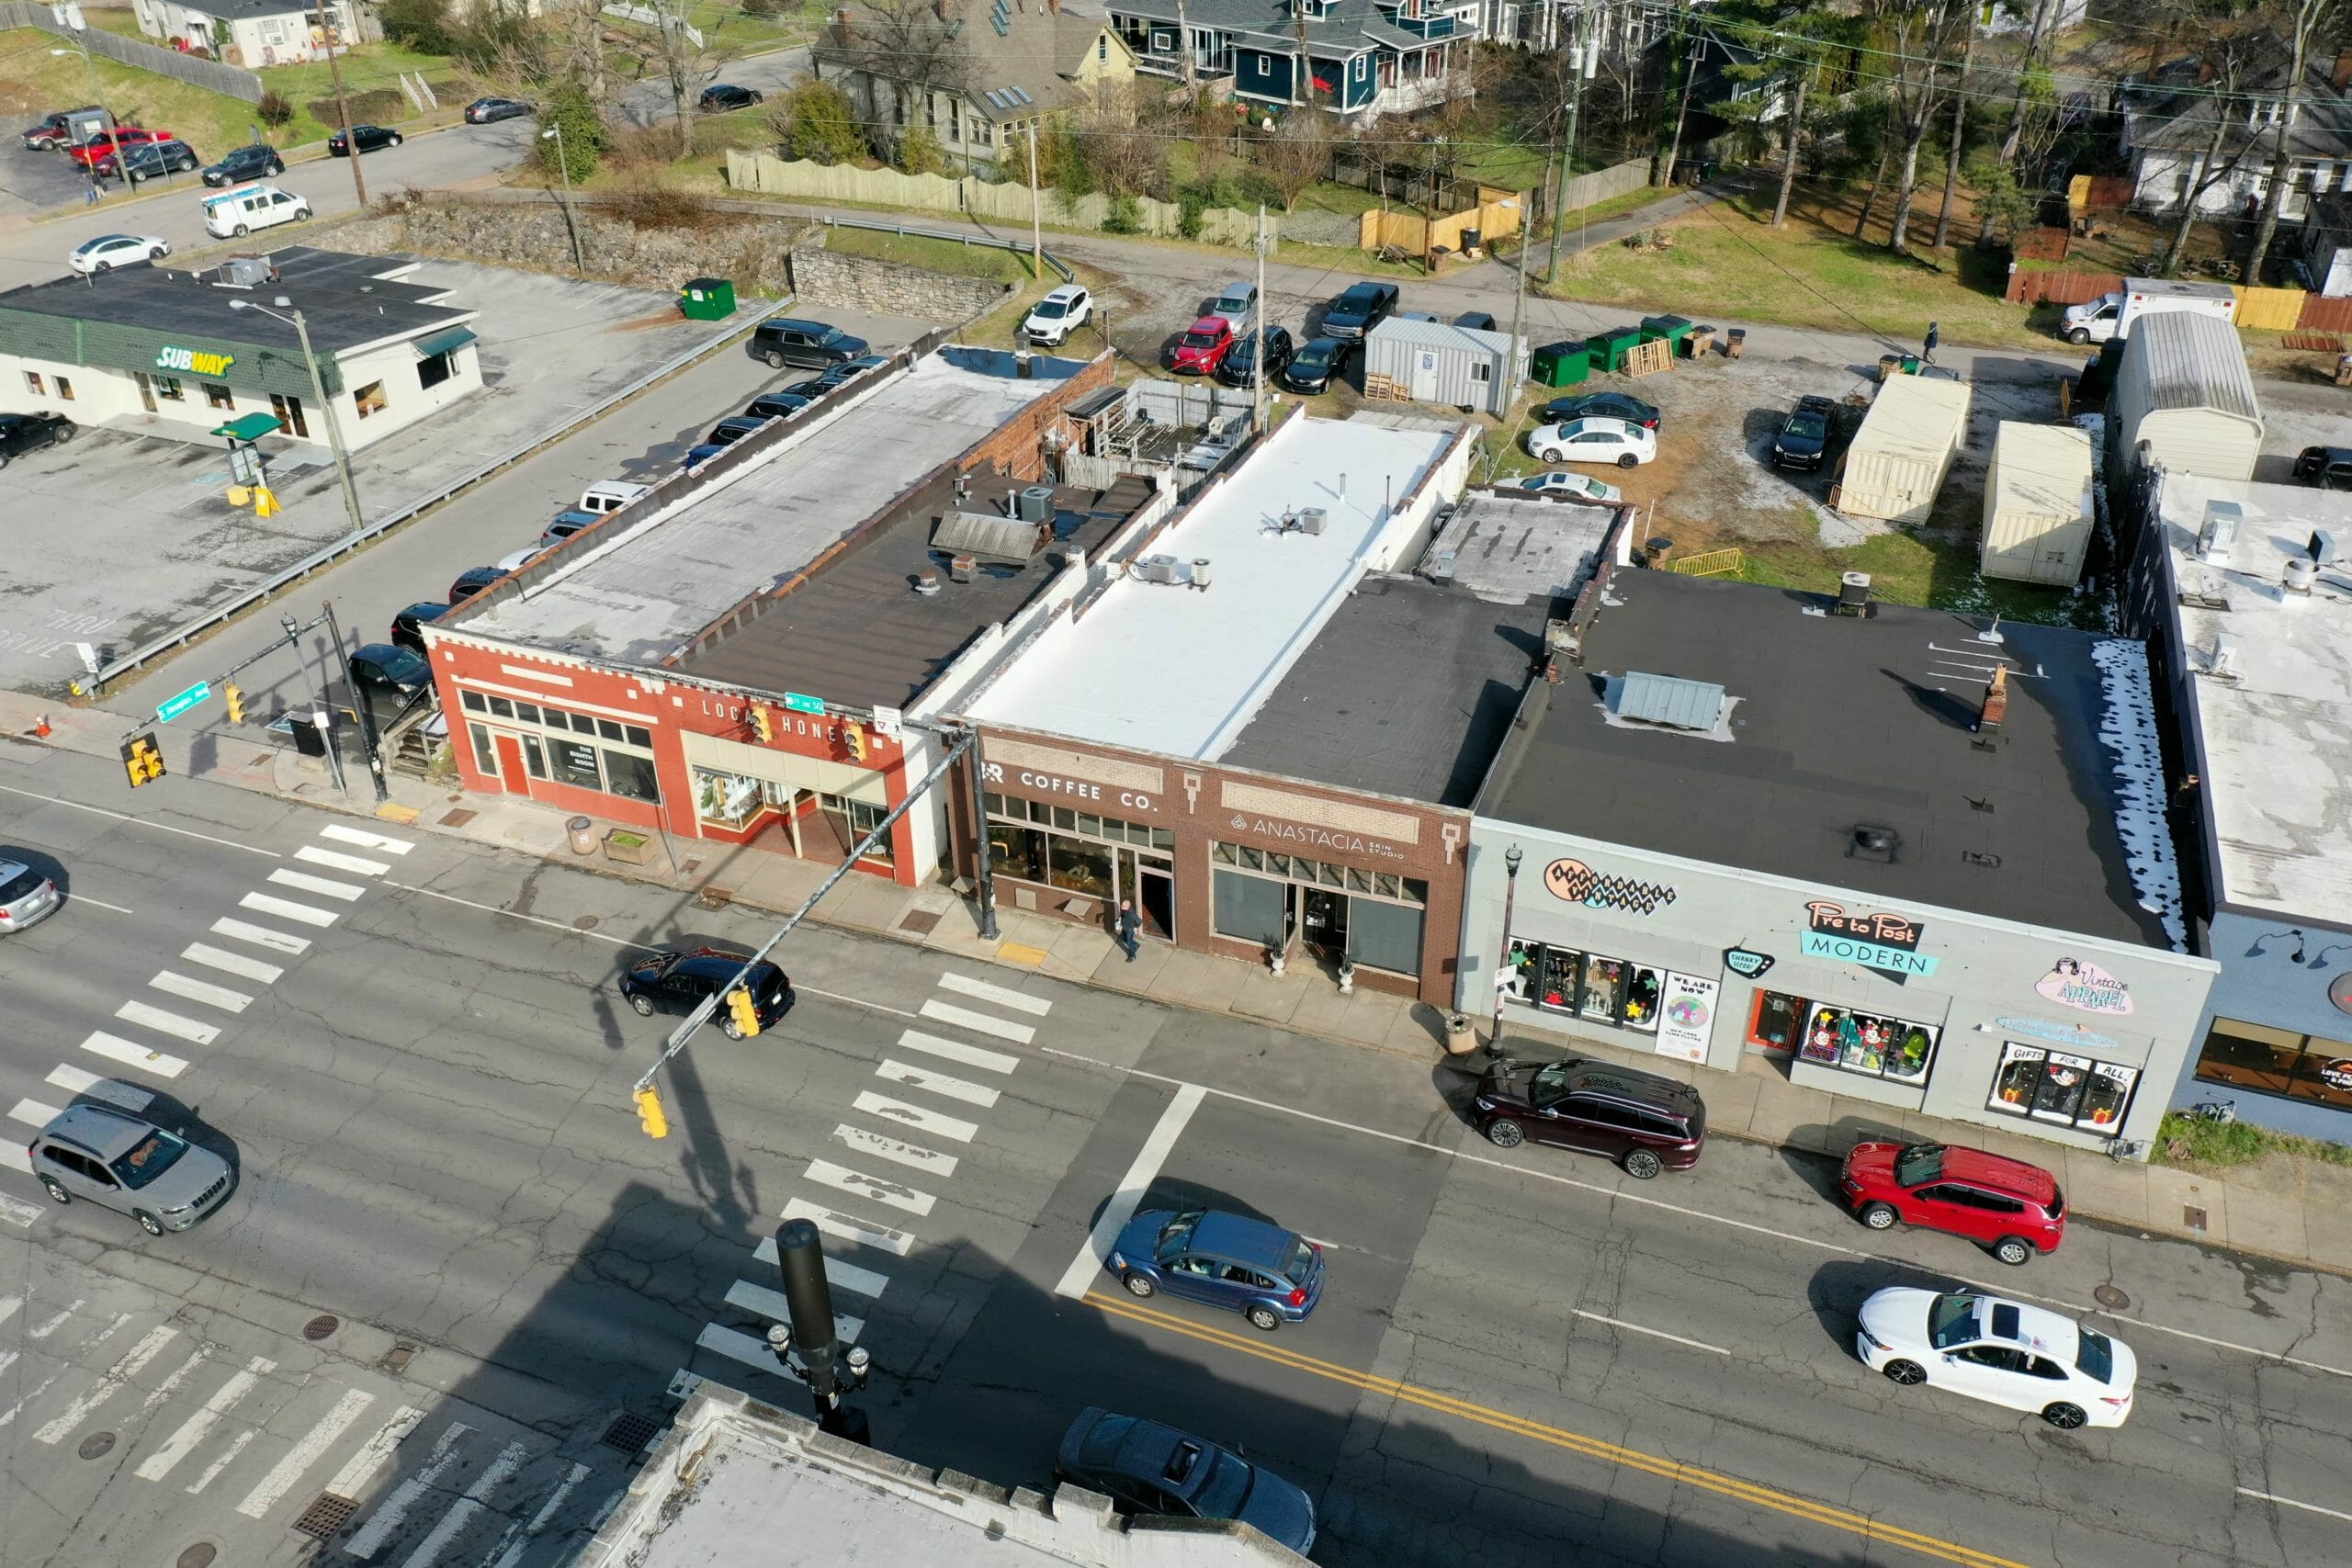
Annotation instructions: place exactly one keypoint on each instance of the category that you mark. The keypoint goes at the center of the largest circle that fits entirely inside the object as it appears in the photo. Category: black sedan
(404, 624)
(677, 982)
(718, 97)
(389, 677)
(1146, 1468)
(1600, 405)
(1239, 365)
(482, 112)
(1318, 363)
(23, 433)
(251, 161)
(734, 428)
(775, 405)
(366, 138)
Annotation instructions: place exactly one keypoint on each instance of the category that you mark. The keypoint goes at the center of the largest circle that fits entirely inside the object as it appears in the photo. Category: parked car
(483, 111)
(1565, 486)
(2004, 1353)
(1203, 347)
(404, 624)
(2330, 467)
(23, 433)
(1600, 405)
(387, 676)
(775, 405)
(147, 161)
(87, 153)
(1803, 440)
(677, 982)
(517, 560)
(1146, 1468)
(1269, 1275)
(849, 371)
(784, 340)
(54, 130)
(251, 161)
(610, 495)
(1359, 309)
(1644, 1122)
(568, 521)
(1478, 321)
(365, 138)
(1238, 368)
(233, 214)
(734, 428)
(127, 1163)
(718, 97)
(1058, 314)
(26, 898)
(2013, 1208)
(111, 251)
(701, 453)
(472, 580)
(1593, 441)
(1238, 304)
(1319, 362)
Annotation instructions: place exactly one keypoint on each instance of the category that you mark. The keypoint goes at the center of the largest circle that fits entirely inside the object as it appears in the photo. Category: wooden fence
(2266, 310)
(1415, 234)
(195, 69)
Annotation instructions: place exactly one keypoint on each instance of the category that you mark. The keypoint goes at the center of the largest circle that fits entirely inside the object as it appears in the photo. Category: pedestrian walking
(1128, 924)
(95, 190)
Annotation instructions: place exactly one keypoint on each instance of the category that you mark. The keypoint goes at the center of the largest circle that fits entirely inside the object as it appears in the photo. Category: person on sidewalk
(91, 196)
(1128, 927)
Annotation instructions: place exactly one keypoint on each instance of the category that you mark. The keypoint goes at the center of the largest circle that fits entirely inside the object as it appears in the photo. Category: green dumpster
(708, 299)
(1610, 349)
(1673, 328)
(1562, 364)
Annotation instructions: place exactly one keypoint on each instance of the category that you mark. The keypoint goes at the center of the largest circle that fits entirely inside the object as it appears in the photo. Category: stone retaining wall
(820, 277)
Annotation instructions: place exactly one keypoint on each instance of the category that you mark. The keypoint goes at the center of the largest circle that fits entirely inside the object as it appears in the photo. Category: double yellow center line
(1682, 1474)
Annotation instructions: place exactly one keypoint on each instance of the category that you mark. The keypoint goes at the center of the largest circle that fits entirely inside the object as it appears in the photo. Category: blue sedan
(1269, 1275)
(1146, 1468)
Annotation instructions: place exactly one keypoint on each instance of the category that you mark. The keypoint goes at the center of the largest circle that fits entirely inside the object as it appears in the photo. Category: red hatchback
(1203, 347)
(2011, 1207)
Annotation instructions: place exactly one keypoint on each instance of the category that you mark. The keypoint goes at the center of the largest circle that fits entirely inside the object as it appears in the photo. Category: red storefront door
(510, 765)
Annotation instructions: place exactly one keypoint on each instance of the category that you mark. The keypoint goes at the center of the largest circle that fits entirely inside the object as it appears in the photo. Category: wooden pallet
(1387, 388)
(1649, 359)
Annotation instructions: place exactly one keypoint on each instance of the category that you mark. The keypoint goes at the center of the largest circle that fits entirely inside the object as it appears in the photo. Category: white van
(610, 495)
(236, 212)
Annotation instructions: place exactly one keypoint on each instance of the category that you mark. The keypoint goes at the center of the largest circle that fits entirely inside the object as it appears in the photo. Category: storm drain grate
(327, 1516)
(630, 1432)
(923, 922)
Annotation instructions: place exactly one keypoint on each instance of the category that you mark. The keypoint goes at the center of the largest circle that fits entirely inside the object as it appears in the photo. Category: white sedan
(1594, 441)
(111, 251)
(2000, 1351)
(1572, 487)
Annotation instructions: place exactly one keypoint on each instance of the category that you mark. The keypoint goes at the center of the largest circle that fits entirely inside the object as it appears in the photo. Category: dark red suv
(1645, 1123)
(2007, 1205)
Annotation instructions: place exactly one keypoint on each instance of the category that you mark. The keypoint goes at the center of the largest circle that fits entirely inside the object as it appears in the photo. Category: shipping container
(2184, 400)
(1436, 362)
(1897, 462)
(2038, 508)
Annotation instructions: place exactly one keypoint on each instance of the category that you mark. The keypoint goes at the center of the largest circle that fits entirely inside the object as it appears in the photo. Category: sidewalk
(2298, 1212)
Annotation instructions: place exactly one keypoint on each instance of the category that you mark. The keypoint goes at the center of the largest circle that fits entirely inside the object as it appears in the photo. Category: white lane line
(171, 1024)
(333, 860)
(2290, 1503)
(858, 1184)
(747, 1349)
(842, 1276)
(936, 1083)
(261, 936)
(1019, 1001)
(221, 1463)
(856, 1001)
(846, 1227)
(75, 1080)
(114, 1048)
(514, 1555)
(325, 886)
(85, 898)
(287, 909)
(1128, 1196)
(141, 822)
(468, 1508)
(979, 1023)
(304, 1454)
(1654, 1333)
(896, 1151)
(33, 1114)
(365, 839)
(352, 1480)
(198, 1426)
(915, 1116)
(771, 1304)
(162, 1391)
(958, 1052)
(8, 1415)
(564, 926)
(203, 991)
(395, 1508)
(230, 963)
(132, 1362)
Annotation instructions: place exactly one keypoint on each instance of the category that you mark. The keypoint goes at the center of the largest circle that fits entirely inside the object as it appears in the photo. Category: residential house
(1356, 58)
(1617, 30)
(979, 74)
(2168, 123)
(260, 32)
(2327, 246)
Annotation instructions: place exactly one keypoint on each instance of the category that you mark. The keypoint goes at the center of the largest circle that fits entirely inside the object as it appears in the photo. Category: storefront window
(1642, 997)
(168, 388)
(1250, 907)
(65, 389)
(1078, 866)
(485, 756)
(575, 764)
(1597, 989)
(630, 776)
(1380, 912)
(432, 372)
(33, 384)
(727, 799)
(218, 396)
(2277, 1061)
(1385, 936)
(2052, 1086)
(370, 399)
(1604, 988)
(1892, 1048)
(1777, 1020)
(1017, 852)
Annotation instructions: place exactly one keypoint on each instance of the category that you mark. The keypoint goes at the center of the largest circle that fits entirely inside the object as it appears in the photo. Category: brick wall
(1017, 446)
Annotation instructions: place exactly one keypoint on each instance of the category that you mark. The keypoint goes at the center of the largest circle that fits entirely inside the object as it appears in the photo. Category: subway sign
(195, 362)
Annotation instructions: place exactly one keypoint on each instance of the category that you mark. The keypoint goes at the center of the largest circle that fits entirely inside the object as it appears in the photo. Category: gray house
(2168, 123)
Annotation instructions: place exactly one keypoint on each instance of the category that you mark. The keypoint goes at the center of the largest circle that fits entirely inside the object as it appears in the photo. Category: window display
(2277, 1061)
(1604, 988)
(1620, 993)
(2052, 1086)
(1894, 1049)
(1642, 997)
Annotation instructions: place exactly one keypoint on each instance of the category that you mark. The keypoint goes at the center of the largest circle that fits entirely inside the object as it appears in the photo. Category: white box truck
(2111, 315)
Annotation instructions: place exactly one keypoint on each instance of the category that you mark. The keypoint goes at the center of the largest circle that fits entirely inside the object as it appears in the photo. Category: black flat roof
(1406, 690)
(345, 299)
(1838, 723)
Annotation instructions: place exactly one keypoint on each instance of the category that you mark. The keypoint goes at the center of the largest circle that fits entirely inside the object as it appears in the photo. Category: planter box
(632, 848)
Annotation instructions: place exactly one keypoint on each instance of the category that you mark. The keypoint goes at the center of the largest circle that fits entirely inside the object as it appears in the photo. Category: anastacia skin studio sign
(1888, 943)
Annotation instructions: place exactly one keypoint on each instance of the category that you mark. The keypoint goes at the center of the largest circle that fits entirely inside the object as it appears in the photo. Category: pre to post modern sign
(1888, 943)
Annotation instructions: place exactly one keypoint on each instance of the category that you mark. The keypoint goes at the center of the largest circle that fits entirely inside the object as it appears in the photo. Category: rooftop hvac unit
(1441, 566)
(1310, 519)
(1160, 569)
(2299, 575)
(2226, 659)
(1854, 594)
(245, 270)
(1035, 503)
(2322, 547)
(2222, 519)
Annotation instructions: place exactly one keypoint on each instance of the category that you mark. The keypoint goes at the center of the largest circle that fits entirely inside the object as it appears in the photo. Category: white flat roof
(2277, 773)
(1180, 671)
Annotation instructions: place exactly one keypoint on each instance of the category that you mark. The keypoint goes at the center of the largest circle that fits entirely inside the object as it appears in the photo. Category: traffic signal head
(142, 759)
(853, 739)
(762, 726)
(745, 1012)
(234, 695)
(650, 1114)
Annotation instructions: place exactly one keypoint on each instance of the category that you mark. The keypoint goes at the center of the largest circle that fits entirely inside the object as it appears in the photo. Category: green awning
(252, 427)
(444, 341)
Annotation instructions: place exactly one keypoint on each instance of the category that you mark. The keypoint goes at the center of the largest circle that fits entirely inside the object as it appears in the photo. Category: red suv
(1203, 347)
(2011, 1207)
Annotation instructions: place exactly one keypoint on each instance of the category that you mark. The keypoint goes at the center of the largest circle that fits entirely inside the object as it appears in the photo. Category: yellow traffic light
(762, 726)
(744, 1011)
(142, 759)
(234, 695)
(650, 1114)
(853, 738)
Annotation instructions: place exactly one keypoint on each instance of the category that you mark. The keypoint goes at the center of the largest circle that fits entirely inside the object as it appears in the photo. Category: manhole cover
(630, 1432)
(319, 1327)
(97, 1445)
(2110, 1298)
(326, 1515)
(923, 922)
(585, 923)
(200, 1555)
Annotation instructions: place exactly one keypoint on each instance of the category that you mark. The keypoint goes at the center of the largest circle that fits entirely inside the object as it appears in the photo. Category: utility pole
(326, 407)
(1258, 331)
(1577, 61)
(362, 704)
(1036, 231)
(982, 862)
(570, 218)
(1518, 369)
(341, 109)
(318, 709)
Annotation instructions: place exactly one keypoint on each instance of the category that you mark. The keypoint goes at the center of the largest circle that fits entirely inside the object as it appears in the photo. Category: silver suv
(127, 1163)
(26, 898)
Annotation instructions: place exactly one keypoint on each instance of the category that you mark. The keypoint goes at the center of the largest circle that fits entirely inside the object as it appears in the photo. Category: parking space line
(1654, 1333)
(114, 1048)
(1128, 1196)
(1019, 1001)
(2290, 1503)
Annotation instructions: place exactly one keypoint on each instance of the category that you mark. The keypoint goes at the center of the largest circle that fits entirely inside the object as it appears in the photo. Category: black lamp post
(1511, 859)
(829, 1368)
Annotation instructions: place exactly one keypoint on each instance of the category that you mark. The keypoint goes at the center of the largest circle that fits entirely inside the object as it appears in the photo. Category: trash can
(1562, 364)
(584, 835)
(1700, 344)
(1610, 349)
(1673, 328)
(1735, 343)
(706, 298)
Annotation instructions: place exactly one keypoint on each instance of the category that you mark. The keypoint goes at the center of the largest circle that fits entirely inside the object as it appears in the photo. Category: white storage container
(1896, 465)
(2038, 508)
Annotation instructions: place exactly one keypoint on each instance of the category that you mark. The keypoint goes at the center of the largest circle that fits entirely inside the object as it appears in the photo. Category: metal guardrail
(1017, 247)
(349, 543)
(1713, 563)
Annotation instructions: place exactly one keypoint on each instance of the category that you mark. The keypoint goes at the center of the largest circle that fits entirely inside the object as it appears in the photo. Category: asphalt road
(1519, 1358)
(649, 103)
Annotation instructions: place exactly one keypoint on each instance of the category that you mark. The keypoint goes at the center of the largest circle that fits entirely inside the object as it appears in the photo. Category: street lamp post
(1511, 859)
(327, 408)
(570, 218)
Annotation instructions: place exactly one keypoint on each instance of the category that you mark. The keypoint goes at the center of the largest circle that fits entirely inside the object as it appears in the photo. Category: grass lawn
(2191, 1141)
(1930, 566)
(936, 255)
(731, 32)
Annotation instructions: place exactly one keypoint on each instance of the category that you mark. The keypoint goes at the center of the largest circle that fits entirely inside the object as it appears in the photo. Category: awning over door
(816, 774)
(443, 342)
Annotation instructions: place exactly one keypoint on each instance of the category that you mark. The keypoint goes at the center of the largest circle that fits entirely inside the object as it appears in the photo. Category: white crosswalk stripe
(958, 1052)
(236, 1447)
(130, 1054)
(198, 1426)
(365, 839)
(468, 1508)
(979, 1023)
(13, 1155)
(936, 1083)
(203, 991)
(771, 1304)
(748, 1349)
(304, 1454)
(388, 1518)
(164, 1390)
(352, 1480)
(896, 1151)
(915, 1117)
(8, 1416)
(171, 1024)
(261, 936)
(75, 1080)
(230, 963)
(326, 886)
(514, 1545)
(842, 1276)
(133, 1360)
(9, 1307)
(336, 860)
(846, 1227)
(33, 1114)
(825, 1173)
(287, 909)
(1019, 1001)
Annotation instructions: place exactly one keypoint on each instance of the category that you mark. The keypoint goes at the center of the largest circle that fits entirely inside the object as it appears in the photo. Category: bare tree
(1959, 140)
(1295, 156)
(2037, 34)
(1918, 39)
(2227, 57)
(1124, 155)
(2300, 20)
(670, 54)
(907, 45)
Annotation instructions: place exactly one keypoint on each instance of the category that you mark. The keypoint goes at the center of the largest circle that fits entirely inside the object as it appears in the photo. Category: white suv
(235, 213)
(1058, 314)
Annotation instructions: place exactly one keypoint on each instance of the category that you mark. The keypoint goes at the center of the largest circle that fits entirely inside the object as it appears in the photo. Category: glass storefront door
(1153, 887)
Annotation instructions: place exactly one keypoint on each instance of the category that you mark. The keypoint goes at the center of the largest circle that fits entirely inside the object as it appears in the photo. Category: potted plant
(624, 845)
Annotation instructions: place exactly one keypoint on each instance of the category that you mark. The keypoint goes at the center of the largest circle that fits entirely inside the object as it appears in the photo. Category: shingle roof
(2175, 112)
(1346, 26)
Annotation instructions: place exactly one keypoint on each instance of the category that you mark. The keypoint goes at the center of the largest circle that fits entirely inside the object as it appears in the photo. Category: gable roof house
(1356, 58)
(2168, 123)
(977, 74)
(258, 32)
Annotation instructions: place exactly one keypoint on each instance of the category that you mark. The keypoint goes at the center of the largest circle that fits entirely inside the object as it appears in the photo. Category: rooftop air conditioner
(2222, 520)
(1035, 503)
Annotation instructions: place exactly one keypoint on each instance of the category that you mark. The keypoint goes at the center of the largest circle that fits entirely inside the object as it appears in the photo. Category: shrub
(918, 151)
(763, 7)
(817, 121)
(273, 111)
(1126, 215)
(422, 25)
(1189, 206)
(647, 203)
(570, 110)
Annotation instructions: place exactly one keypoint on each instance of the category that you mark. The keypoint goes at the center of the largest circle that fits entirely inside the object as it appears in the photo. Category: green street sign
(799, 704)
(174, 706)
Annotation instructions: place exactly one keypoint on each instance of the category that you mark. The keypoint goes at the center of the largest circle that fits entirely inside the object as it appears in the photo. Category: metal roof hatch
(1667, 700)
(984, 536)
